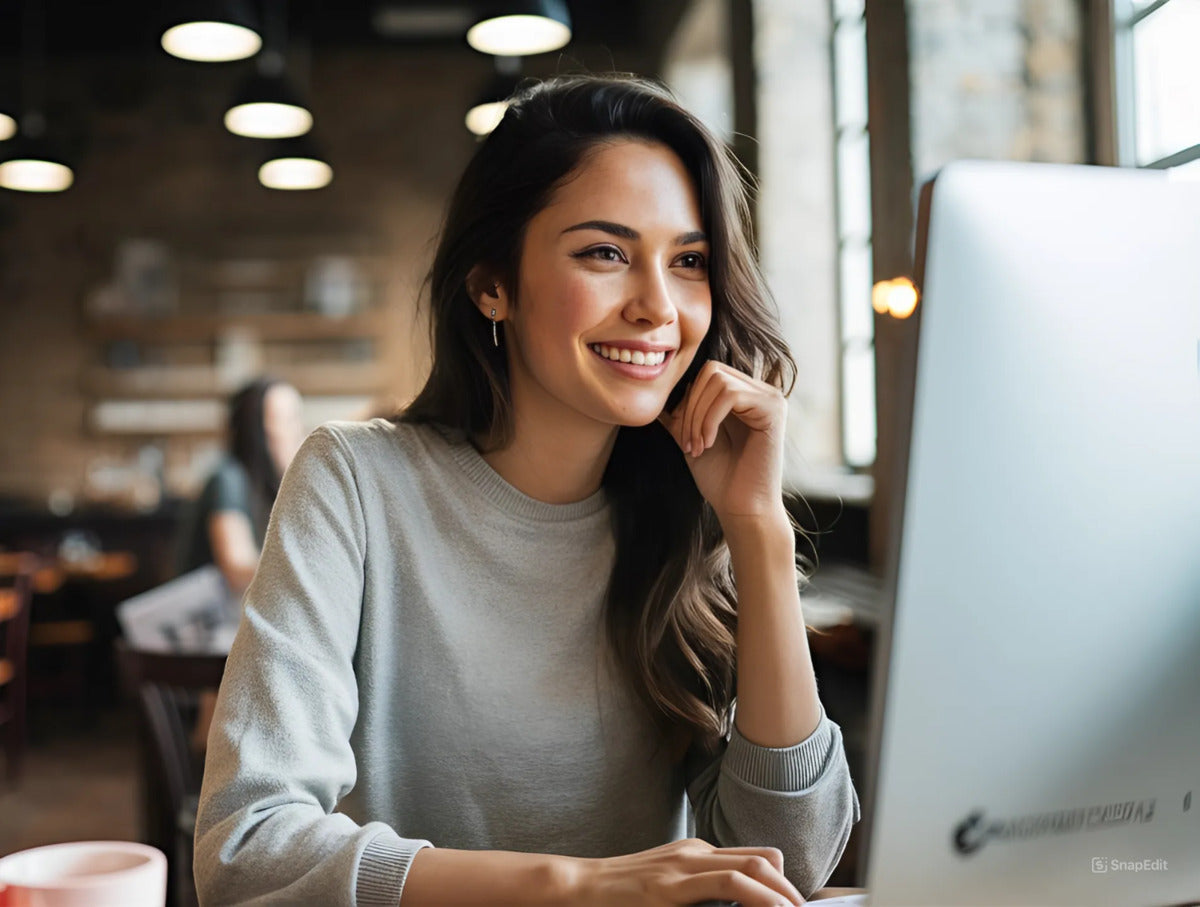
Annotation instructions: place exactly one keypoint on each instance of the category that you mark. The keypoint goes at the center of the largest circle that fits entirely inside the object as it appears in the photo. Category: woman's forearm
(440, 877)
(777, 704)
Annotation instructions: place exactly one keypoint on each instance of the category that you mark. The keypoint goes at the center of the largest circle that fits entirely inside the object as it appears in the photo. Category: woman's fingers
(762, 865)
(702, 413)
(730, 885)
(691, 400)
(773, 855)
(688, 871)
(756, 864)
(713, 379)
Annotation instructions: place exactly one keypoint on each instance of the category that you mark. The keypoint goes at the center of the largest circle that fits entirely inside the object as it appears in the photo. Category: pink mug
(84, 874)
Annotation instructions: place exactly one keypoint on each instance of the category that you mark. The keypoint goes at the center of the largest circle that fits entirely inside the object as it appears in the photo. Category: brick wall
(156, 162)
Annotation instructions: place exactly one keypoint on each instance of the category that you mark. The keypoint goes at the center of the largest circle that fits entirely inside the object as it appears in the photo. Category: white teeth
(637, 357)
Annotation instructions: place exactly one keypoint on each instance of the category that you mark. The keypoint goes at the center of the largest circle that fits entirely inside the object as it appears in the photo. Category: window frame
(1123, 17)
(847, 241)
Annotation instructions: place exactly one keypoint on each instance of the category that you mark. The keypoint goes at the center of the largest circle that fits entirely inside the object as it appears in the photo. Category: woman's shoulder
(228, 477)
(376, 441)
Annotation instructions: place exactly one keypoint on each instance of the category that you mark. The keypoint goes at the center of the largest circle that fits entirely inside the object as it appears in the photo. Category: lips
(642, 372)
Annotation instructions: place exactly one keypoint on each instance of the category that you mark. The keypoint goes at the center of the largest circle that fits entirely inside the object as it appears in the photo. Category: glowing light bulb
(295, 173)
(483, 118)
(898, 297)
(266, 120)
(31, 175)
(211, 42)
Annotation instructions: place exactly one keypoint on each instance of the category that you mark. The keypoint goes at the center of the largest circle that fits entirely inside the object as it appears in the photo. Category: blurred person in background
(226, 524)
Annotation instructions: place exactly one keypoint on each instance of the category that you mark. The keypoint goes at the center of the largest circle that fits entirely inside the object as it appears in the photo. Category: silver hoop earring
(495, 338)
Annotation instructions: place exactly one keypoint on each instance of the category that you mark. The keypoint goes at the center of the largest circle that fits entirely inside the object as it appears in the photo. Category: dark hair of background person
(248, 445)
(671, 611)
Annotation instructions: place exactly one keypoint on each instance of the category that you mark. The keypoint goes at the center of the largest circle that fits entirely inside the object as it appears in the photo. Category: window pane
(1167, 80)
(850, 73)
(848, 9)
(854, 187)
(857, 315)
(858, 405)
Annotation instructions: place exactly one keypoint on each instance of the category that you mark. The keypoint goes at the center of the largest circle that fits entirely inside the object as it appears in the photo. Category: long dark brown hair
(248, 445)
(671, 606)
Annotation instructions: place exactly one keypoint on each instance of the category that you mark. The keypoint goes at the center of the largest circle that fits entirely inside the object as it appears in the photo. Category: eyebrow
(606, 226)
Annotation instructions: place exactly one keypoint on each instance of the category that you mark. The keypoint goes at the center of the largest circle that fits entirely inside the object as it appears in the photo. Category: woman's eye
(693, 260)
(602, 253)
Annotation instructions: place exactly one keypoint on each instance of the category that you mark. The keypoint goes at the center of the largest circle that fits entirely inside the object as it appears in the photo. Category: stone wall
(797, 231)
(996, 79)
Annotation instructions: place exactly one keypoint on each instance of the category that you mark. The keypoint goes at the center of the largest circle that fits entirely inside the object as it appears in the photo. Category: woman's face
(283, 423)
(617, 260)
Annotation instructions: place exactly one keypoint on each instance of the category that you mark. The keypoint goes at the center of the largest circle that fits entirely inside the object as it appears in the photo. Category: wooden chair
(167, 688)
(16, 576)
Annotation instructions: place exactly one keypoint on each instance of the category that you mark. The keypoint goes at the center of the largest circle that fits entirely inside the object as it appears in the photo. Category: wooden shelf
(200, 417)
(164, 382)
(267, 327)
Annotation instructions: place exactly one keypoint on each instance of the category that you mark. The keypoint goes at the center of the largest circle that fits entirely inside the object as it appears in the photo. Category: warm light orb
(879, 297)
(518, 36)
(897, 297)
(483, 118)
(8, 127)
(27, 175)
(211, 42)
(268, 120)
(295, 173)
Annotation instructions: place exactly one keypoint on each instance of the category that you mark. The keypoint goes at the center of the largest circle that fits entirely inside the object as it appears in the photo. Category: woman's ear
(487, 292)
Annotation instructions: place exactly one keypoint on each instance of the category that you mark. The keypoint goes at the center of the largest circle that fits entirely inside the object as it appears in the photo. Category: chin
(637, 420)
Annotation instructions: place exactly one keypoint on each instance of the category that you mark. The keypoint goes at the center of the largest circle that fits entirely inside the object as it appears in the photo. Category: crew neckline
(506, 496)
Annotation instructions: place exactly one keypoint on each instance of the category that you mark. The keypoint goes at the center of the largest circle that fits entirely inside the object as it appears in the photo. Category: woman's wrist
(566, 884)
(769, 532)
(439, 877)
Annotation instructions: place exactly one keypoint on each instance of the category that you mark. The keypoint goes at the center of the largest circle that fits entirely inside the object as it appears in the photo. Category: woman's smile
(633, 363)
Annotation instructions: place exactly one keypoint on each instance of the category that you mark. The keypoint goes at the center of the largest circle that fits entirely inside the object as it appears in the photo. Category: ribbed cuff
(383, 868)
(788, 769)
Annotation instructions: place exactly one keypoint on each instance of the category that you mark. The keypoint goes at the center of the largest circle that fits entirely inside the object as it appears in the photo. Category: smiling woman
(511, 622)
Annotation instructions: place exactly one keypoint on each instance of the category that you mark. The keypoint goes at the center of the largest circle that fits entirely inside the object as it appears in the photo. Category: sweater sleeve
(279, 756)
(799, 799)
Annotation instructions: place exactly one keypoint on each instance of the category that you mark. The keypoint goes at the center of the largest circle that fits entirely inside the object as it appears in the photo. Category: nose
(651, 302)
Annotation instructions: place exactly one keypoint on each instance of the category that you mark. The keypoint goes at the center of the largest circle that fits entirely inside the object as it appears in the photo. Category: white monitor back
(1044, 656)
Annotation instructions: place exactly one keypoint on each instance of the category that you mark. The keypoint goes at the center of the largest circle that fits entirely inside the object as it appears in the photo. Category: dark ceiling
(125, 27)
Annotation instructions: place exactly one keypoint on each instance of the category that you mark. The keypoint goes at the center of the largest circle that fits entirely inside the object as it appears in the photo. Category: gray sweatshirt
(421, 662)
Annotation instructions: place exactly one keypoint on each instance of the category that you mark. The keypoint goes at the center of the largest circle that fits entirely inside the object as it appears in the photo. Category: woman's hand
(681, 873)
(734, 426)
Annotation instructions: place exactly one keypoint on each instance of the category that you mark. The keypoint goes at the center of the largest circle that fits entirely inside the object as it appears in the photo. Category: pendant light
(489, 108)
(30, 163)
(8, 126)
(266, 106)
(215, 31)
(294, 164)
(521, 28)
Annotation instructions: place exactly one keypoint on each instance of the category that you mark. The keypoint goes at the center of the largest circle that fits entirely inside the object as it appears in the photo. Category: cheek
(562, 308)
(699, 316)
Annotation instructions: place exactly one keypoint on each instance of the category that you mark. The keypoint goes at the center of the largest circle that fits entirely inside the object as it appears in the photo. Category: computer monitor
(1036, 723)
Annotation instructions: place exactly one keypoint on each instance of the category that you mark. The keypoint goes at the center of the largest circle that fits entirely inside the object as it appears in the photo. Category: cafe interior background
(178, 264)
